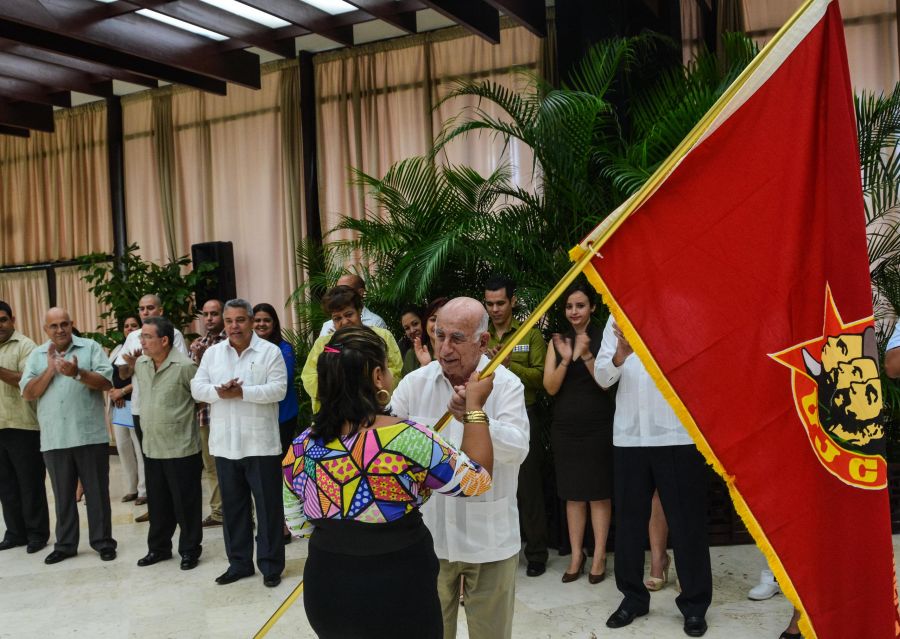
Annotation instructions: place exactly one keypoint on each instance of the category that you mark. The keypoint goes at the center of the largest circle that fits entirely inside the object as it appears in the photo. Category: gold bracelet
(475, 417)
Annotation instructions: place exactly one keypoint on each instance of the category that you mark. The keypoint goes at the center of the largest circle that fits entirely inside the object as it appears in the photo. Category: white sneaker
(766, 588)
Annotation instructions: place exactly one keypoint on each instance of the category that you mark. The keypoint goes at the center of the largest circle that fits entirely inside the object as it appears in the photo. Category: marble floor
(86, 597)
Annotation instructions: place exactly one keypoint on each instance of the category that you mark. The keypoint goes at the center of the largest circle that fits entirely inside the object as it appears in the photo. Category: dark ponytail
(346, 390)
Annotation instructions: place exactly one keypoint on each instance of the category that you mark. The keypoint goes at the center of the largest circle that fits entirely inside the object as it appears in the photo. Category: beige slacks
(209, 465)
(490, 596)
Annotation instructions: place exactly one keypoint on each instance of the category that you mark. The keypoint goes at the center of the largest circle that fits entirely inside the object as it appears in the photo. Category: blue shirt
(289, 407)
(894, 342)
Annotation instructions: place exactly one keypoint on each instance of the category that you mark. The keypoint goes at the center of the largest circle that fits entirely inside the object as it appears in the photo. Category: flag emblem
(838, 396)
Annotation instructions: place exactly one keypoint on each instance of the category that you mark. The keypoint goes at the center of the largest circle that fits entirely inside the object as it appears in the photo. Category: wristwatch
(77, 374)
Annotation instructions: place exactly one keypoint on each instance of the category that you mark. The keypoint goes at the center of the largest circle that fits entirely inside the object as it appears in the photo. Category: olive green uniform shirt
(168, 414)
(70, 413)
(15, 412)
(527, 359)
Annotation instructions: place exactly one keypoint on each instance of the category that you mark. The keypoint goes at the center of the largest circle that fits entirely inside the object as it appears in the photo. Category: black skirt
(362, 596)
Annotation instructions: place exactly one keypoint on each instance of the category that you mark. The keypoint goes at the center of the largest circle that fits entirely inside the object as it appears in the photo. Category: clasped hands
(470, 396)
(59, 364)
(232, 389)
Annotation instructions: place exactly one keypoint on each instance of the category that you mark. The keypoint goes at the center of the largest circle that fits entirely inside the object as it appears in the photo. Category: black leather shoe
(189, 562)
(108, 554)
(621, 618)
(56, 556)
(6, 544)
(270, 581)
(695, 626)
(535, 569)
(153, 558)
(35, 546)
(229, 577)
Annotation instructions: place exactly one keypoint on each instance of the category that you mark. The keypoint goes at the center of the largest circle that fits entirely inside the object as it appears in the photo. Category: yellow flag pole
(615, 219)
(601, 234)
(291, 598)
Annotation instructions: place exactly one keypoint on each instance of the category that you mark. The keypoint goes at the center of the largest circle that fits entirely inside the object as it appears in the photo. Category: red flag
(743, 284)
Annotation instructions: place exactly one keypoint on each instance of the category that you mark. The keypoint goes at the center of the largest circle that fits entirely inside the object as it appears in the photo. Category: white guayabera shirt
(643, 416)
(245, 427)
(474, 529)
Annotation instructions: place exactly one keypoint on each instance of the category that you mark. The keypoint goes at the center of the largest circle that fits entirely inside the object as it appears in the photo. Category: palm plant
(878, 129)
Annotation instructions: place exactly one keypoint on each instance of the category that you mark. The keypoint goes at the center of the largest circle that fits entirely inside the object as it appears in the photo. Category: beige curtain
(373, 109)
(27, 293)
(73, 295)
(510, 64)
(54, 190)
(870, 29)
(222, 178)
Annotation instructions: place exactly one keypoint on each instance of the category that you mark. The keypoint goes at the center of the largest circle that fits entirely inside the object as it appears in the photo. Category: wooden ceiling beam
(132, 42)
(91, 68)
(476, 15)
(308, 17)
(18, 89)
(531, 14)
(27, 115)
(405, 21)
(14, 131)
(51, 75)
(245, 32)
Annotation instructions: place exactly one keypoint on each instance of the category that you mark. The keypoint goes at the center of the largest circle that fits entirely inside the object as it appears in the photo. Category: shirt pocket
(486, 526)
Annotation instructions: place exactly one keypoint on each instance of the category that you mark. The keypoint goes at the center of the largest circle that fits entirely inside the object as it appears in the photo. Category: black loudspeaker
(221, 285)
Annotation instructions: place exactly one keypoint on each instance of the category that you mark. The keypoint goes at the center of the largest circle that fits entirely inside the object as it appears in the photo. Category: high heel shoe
(596, 579)
(654, 584)
(569, 577)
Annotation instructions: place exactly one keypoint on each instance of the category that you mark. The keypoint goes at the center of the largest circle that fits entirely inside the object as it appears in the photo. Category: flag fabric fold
(742, 282)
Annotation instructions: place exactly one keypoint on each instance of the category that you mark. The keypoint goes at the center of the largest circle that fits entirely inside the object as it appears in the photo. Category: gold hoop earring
(383, 397)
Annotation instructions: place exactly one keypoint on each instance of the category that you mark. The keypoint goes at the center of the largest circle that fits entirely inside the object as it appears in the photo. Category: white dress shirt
(643, 416)
(473, 529)
(245, 427)
(368, 319)
(133, 343)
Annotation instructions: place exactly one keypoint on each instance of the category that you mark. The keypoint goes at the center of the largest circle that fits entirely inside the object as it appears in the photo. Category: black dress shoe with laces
(108, 554)
(6, 544)
(695, 626)
(535, 569)
(56, 556)
(189, 562)
(622, 617)
(153, 558)
(35, 546)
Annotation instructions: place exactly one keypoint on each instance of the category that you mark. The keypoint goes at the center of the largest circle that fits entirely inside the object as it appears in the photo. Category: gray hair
(239, 303)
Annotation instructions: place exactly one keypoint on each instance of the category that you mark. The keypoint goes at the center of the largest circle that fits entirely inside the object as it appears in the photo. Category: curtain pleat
(73, 295)
(54, 190)
(28, 295)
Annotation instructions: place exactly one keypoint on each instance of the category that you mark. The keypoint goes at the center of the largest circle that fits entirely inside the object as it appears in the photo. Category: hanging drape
(73, 295)
(27, 294)
(54, 190)
(376, 106)
(203, 168)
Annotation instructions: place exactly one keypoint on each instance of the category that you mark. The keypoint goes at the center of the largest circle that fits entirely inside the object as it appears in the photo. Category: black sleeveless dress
(581, 431)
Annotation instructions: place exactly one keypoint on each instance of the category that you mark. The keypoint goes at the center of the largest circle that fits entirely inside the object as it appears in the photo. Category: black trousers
(680, 475)
(23, 496)
(287, 430)
(175, 496)
(530, 495)
(238, 480)
(90, 464)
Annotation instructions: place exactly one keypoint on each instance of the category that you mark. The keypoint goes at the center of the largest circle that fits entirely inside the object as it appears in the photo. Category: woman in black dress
(581, 431)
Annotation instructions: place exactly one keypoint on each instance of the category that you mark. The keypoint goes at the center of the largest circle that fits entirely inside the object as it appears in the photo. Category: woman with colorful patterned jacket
(359, 477)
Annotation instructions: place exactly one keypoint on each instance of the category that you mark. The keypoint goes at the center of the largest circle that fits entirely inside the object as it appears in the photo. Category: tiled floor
(85, 597)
